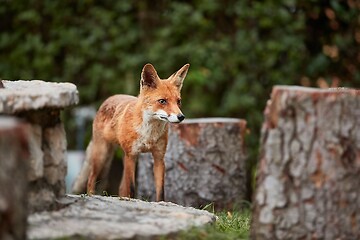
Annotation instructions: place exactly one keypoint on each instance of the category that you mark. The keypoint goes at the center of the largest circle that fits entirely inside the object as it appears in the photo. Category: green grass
(229, 226)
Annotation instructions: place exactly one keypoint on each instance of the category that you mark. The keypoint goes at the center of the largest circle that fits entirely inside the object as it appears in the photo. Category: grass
(229, 226)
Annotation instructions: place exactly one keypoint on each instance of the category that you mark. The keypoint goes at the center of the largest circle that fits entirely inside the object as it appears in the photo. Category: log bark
(308, 174)
(205, 163)
(14, 157)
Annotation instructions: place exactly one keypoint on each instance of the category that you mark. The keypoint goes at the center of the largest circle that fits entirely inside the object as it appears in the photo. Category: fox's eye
(162, 101)
(179, 102)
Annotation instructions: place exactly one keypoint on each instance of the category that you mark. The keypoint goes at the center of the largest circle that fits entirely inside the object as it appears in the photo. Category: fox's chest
(149, 136)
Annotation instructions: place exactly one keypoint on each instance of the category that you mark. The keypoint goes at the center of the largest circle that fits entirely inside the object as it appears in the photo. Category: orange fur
(136, 124)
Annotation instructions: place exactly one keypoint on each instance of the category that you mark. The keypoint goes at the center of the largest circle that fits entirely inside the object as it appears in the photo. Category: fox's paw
(90, 193)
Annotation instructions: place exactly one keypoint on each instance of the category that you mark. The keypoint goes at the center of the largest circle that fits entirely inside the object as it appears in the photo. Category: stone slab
(99, 217)
(19, 96)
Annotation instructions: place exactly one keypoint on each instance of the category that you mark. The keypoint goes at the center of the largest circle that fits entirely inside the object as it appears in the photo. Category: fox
(137, 125)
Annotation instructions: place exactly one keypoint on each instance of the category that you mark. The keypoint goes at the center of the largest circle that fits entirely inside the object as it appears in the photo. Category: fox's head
(161, 98)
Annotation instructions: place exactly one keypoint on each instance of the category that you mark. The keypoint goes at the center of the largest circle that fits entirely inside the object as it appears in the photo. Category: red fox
(137, 125)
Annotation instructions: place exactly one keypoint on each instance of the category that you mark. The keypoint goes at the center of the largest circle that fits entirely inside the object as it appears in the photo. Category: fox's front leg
(127, 186)
(159, 173)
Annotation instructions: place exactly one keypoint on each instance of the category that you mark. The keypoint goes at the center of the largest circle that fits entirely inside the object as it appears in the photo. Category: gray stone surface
(17, 96)
(38, 104)
(49, 160)
(36, 169)
(100, 217)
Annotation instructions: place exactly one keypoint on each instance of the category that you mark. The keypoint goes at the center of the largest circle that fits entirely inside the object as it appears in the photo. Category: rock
(38, 104)
(18, 96)
(36, 163)
(99, 217)
(54, 157)
(48, 166)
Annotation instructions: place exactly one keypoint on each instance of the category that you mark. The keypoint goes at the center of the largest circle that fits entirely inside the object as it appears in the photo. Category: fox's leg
(101, 153)
(159, 171)
(127, 186)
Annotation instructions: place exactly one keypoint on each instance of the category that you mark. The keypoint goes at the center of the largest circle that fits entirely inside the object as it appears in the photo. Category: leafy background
(238, 50)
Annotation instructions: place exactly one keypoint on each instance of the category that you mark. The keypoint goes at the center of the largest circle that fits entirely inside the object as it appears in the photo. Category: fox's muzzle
(173, 118)
(181, 117)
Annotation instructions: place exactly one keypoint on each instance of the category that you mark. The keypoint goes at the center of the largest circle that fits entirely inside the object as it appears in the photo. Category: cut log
(308, 174)
(14, 157)
(205, 163)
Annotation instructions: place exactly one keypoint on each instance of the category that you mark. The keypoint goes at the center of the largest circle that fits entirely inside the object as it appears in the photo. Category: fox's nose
(180, 117)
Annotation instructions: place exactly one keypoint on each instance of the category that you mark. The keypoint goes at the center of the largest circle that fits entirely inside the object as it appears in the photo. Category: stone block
(39, 103)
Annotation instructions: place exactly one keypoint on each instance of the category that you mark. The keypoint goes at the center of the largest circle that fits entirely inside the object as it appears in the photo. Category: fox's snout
(176, 118)
(173, 118)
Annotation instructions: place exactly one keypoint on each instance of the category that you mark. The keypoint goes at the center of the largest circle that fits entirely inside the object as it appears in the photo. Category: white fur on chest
(149, 133)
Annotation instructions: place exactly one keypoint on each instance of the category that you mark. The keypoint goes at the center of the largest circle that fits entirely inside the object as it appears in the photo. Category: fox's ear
(178, 77)
(149, 77)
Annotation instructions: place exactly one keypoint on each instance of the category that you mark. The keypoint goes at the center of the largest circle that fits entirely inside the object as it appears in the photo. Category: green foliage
(238, 50)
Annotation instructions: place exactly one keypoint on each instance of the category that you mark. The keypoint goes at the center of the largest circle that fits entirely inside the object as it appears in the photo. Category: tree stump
(205, 163)
(308, 174)
(14, 157)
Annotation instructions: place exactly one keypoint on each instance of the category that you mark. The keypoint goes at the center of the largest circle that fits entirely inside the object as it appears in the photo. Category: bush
(237, 50)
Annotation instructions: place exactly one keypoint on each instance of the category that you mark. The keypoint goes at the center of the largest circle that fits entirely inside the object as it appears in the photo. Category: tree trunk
(205, 163)
(308, 174)
(14, 157)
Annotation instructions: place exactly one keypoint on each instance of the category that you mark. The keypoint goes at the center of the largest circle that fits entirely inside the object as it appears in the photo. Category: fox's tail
(80, 183)
(104, 154)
